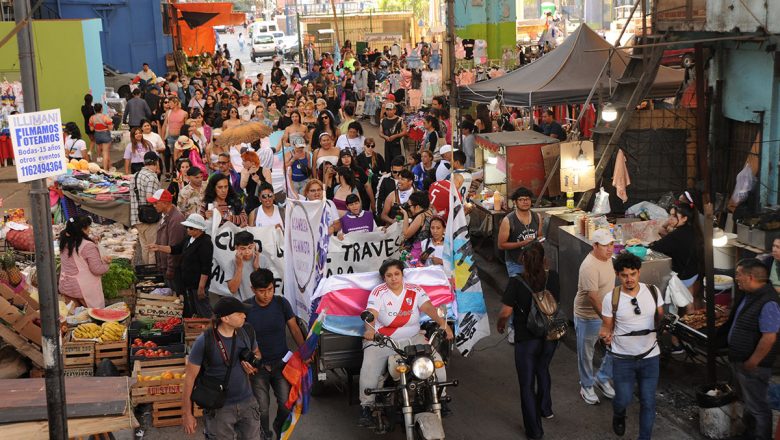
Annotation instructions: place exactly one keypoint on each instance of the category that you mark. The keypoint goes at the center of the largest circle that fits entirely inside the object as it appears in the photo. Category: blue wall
(132, 30)
(750, 86)
(93, 56)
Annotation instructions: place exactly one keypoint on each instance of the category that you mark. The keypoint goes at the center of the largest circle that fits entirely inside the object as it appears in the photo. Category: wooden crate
(21, 323)
(193, 327)
(158, 306)
(170, 413)
(114, 351)
(79, 354)
(161, 390)
(79, 371)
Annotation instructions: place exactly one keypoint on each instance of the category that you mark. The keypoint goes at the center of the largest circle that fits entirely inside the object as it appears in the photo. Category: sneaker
(549, 416)
(677, 350)
(366, 419)
(606, 389)
(589, 395)
(619, 425)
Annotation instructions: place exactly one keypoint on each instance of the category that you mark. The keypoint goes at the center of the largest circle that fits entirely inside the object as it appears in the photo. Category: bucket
(723, 257)
(717, 411)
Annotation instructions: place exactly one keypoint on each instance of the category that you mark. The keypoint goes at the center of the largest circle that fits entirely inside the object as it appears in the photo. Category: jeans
(237, 420)
(753, 387)
(587, 334)
(513, 268)
(532, 361)
(626, 373)
(262, 381)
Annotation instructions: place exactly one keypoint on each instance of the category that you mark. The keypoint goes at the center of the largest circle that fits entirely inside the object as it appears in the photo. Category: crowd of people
(181, 177)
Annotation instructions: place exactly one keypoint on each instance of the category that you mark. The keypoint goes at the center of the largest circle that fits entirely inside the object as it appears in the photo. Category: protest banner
(269, 239)
(363, 251)
(305, 250)
(472, 319)
(37, 143)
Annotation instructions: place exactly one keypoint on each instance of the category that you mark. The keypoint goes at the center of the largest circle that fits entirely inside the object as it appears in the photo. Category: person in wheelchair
(396, 307)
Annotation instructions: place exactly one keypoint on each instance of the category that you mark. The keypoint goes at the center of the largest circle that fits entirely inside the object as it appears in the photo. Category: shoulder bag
(209, 392)
(146, 212)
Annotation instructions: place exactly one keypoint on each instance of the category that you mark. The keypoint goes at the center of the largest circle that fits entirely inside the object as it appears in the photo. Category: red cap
(161, 195)
(390, 97)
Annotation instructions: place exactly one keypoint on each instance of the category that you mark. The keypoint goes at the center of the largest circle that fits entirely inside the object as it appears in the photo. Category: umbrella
(247, 132)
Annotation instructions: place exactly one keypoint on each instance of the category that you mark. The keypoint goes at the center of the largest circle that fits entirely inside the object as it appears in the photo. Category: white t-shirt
(246, 112)
(261, 219)
(628, 321)
(74, 147)
(356, 144)
(443, 170)
(155, 140)
(389, 306)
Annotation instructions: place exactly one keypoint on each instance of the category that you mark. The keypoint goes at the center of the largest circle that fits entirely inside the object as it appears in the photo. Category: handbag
(209, 392)
(146, 212)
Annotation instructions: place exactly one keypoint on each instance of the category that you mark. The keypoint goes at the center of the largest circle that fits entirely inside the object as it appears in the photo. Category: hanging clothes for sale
(468, 46)
(460, 52)
(620, 178)
(430, 86)
(415, 98)
(465, 77)
(480, 51)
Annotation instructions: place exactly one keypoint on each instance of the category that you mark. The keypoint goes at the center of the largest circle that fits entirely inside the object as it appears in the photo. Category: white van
(259, 27)
(263, 46)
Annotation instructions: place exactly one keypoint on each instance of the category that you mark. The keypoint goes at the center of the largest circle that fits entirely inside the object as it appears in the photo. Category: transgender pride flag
(344, 297)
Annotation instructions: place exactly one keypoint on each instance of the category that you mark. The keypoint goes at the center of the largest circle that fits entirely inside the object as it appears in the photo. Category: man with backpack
(631, 313)
(270, 316)
(217, 376)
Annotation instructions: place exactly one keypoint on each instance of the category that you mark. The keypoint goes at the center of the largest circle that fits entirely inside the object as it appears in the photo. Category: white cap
(446, 149)
(602, 237)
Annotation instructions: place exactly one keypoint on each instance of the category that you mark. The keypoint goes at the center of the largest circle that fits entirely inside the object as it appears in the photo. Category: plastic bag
(601, 204)
(653, 211)
(745, 182)
(677, 295)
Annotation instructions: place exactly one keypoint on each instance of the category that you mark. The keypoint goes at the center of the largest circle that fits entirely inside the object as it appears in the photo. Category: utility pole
(449, 70)
(44, 244)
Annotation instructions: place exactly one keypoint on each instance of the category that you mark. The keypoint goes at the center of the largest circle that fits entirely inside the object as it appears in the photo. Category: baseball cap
(446, 149)
(602, 237)
(390, 97)
(389, 106)
(161, 195)
(227, 305)
(151, 158)
(195, 221)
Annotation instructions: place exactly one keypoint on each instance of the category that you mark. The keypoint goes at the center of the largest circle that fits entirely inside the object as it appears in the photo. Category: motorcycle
(414, 390)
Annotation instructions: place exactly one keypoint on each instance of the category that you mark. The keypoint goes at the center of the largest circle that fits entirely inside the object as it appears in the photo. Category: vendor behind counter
(684, 244)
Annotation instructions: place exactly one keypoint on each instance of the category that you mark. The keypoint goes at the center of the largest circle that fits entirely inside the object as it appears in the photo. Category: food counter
(572, 250)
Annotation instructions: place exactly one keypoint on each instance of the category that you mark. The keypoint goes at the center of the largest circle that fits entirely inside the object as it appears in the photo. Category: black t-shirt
(270, 324)
(238, 387)
(518, 296)
(468, 46)
(284, 122)
(554, 128)
(391, 127)
(681, 245)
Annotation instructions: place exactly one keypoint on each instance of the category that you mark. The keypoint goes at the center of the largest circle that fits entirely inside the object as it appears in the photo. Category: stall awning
(196, 22)
(566, 75)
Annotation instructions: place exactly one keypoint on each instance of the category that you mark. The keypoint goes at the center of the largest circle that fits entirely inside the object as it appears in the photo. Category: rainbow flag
(299, 376)
(345, 296)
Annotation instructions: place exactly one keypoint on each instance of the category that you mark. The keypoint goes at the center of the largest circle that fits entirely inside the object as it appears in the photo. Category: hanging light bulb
(609, 113)
(582, 160)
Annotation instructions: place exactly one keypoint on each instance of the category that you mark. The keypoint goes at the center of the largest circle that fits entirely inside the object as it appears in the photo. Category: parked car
(288, 47)
(120, 82)
(221, 29)
(678, 57)
(263, 46)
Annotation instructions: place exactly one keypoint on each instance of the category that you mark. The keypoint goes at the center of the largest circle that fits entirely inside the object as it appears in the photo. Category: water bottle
(619, 234)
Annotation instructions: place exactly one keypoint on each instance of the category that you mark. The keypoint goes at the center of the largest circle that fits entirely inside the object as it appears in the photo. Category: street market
(362, 220)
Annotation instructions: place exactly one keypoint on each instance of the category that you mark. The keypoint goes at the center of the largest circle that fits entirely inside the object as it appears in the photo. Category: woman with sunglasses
(267, 214)
(371, 161)
(325, 124)
(533, 354)
(233, 119)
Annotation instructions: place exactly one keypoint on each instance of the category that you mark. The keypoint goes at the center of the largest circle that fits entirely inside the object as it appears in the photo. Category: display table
(116, 210)
(572, 250)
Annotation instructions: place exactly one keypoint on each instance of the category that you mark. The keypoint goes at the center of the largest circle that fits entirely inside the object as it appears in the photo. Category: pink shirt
(80, 274)
(175, 120)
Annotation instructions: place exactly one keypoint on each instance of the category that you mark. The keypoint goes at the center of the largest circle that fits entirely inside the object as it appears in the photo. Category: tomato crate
(78, 354)
(149, 386)
(137, 330)
(193, 327)
(158, 307)
(116, 352)
(79, 371)
(170, 413)
(177, 351)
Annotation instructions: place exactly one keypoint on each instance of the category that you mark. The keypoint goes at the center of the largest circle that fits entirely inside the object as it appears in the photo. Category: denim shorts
(102, 137)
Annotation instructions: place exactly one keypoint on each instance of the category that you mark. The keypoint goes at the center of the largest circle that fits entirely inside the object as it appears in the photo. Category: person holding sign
(247, 261)
(356, 219)
(220, 195)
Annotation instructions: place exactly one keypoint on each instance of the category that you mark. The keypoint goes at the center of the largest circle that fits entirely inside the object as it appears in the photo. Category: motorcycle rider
(396, 307)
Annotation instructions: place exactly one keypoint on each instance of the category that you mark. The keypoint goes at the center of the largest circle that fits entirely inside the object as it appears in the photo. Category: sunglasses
(223, 163)
(635, 303)
(370, 145)
(395, 172)
(267, 196)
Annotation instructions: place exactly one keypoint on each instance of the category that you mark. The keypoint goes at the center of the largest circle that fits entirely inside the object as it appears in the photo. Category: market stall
(88, 188)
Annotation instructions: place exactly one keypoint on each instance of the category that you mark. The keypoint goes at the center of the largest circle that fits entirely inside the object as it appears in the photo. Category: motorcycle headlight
(422, 367)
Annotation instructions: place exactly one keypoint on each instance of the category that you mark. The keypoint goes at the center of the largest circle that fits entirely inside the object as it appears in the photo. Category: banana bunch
(87, 331)
(112, 331)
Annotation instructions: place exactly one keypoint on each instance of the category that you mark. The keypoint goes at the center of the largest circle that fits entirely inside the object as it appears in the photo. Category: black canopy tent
(566, 76)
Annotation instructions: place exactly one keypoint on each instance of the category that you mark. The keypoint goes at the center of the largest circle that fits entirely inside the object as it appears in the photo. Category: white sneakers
(589, 395)
(606, 389)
